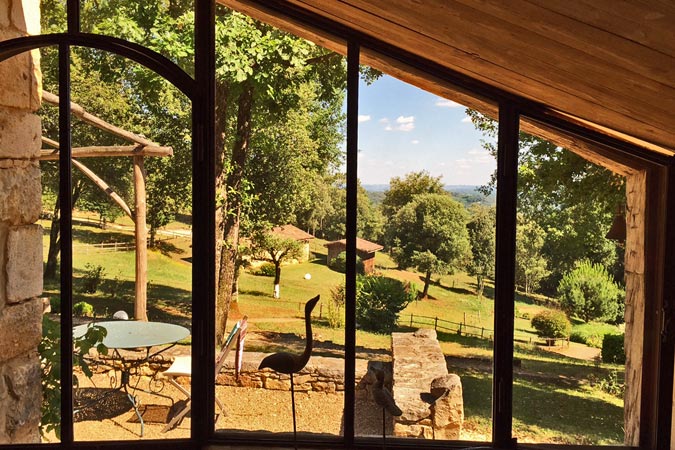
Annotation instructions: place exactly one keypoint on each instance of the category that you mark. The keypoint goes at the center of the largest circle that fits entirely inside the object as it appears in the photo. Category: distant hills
(464, 193)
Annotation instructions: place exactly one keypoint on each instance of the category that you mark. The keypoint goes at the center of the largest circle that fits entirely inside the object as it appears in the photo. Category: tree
(402, 190)
(276, 249)
(530, 261)
(482, 230)
(571, 199)
(590, 293)
(431, 235)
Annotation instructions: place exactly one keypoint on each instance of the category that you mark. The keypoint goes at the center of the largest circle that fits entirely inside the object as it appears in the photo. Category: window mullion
(353, 51)
(66, 231)
(507, 171)
(204, 232)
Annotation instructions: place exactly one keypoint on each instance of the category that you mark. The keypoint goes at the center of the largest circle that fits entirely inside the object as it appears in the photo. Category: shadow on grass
(254, 293)
(535, 404)
(91, 237)
(165, 303)
(168, 249)
(272, 341)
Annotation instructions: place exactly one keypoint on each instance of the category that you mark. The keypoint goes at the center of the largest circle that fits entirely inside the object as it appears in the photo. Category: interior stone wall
(20, 236)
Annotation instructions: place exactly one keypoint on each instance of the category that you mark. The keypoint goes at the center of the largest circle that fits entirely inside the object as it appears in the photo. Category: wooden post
(411, 320)
(436, 323)
(141, 232)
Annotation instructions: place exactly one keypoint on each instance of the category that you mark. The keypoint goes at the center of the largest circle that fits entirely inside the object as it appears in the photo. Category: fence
(107, 247)
(464, 329)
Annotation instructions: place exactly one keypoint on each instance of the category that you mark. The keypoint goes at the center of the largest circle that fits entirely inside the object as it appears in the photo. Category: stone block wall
(20, 237)
(430, 398)
(322, 374)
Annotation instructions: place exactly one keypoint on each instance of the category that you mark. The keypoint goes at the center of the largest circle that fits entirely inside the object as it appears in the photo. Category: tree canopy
(430, 233)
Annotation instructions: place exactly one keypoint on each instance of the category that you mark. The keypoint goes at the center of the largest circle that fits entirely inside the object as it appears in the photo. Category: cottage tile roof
(293, 232)
(362, 245)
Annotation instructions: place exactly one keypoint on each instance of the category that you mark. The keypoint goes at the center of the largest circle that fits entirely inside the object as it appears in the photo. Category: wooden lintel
(79, 112)
(115, 150)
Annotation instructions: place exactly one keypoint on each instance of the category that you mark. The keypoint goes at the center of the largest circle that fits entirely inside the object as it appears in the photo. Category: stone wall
(20, 238)
(430, 398)
(322, 374)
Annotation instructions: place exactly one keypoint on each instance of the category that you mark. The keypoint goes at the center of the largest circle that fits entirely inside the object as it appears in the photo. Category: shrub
(93, 275)
(339, 263)
(83, 309)
(591, 334)
(335, 305)
(265, 270)
(551, 323)
(612, 349)
(590, 293)
(379, 300)
(55, 304)
(50, 358)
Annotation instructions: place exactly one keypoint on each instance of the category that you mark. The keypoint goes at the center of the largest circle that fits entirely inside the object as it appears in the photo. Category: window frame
(659, 335)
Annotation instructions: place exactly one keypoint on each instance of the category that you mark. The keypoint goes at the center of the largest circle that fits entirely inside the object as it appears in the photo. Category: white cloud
(414, 142)
(364, 118)
(402, 123)
(445, 103)
(478, 151)
(466, 119)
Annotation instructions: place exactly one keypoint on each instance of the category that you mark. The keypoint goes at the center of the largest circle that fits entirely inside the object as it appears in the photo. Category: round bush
(590, 293)
(265, 270)
(339, 263)
(551, 323)
(379, 300)
(83, 309)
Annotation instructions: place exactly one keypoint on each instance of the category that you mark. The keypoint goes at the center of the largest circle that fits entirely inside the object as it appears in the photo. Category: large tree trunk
(230, 236)
(277, 278)
(427, 282)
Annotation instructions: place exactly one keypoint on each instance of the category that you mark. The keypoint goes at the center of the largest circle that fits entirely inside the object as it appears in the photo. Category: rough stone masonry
(20, 237)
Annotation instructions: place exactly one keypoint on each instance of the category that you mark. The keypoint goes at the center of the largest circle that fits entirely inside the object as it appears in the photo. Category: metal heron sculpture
(384, 400)
(289, 363)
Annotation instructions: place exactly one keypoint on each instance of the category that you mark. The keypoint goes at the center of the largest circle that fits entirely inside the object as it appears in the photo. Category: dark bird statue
(289, 363)
(384, 400)
(382, 396)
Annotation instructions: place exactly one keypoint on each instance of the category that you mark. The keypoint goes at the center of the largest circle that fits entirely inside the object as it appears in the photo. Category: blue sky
(404, 129)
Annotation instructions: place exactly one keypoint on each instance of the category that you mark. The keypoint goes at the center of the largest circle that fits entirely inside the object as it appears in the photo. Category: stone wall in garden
(430, 398)
(20, 237)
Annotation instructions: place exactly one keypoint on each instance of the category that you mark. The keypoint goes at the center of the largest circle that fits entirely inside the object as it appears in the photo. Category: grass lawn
(556, 398)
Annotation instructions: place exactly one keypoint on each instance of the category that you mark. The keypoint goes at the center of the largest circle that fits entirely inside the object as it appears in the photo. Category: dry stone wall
(20, 238)
(430, 398)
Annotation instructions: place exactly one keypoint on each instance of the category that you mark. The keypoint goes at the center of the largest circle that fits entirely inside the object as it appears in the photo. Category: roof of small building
(293, 232)
(361, 245)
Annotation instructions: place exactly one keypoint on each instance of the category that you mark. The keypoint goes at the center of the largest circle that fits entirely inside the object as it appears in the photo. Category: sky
(404, 129)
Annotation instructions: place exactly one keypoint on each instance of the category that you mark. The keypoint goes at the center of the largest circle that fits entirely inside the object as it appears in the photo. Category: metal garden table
(132, 335)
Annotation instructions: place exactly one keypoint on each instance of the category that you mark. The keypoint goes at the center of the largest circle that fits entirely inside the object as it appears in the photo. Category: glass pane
(425, 309)
(132, 273)
(282, 195)
(165, 27)
(570, 301)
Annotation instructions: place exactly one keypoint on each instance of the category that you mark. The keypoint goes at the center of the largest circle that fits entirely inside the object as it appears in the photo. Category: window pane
(425, 300)
(570, 312)
(282, 196)
(132, 273)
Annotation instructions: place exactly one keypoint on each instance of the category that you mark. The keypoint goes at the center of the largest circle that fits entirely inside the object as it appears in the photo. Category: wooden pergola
(139, 149)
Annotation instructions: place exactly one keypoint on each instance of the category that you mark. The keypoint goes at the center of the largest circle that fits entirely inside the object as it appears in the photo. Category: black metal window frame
(657, 384)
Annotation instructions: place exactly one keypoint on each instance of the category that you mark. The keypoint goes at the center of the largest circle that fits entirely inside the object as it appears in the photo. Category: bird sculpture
(384, 400)
(289, 363)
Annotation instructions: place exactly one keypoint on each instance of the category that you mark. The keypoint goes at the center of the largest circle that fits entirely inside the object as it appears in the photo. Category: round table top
(127, 334)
